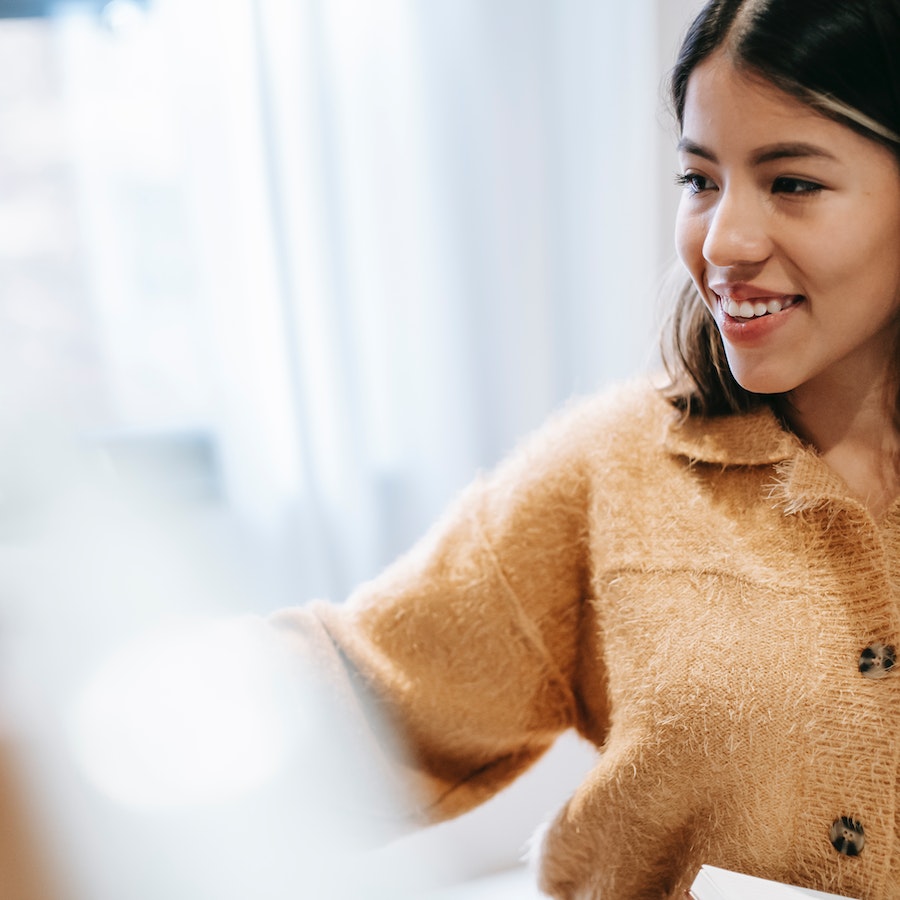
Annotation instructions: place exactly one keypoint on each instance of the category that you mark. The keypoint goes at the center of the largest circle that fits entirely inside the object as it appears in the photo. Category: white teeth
(753, 310)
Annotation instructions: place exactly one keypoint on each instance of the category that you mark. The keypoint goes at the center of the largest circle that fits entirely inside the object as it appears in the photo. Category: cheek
(862, 260)
(874, 260)
(690, 236)
(856, 248)
(688, 242)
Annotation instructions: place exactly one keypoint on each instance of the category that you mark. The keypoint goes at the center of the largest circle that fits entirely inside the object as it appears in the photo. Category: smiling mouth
(755, 309)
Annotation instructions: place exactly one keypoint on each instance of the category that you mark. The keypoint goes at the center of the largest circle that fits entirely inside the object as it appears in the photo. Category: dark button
(877, 660)
(847, 836)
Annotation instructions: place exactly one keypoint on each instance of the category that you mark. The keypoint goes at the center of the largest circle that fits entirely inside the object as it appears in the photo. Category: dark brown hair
(841, 57)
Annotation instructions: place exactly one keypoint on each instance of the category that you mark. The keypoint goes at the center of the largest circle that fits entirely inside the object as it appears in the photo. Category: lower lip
(748, 331)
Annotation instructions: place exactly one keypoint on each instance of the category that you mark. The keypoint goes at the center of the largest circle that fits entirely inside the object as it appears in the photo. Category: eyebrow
(788, 150)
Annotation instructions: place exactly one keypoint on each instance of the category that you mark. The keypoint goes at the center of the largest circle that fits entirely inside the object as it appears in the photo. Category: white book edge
(713, 883)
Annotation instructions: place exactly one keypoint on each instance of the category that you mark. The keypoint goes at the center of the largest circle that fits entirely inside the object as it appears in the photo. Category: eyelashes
(691, 180)
(787, 185)
(695, 183)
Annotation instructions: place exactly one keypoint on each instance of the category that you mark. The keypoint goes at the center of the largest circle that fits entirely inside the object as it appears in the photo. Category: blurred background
(277, 278)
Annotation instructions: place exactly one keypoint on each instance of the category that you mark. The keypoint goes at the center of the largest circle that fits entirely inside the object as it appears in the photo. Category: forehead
(729, 104)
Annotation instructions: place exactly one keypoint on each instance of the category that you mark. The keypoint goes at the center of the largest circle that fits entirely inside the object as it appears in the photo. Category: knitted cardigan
(694, 598)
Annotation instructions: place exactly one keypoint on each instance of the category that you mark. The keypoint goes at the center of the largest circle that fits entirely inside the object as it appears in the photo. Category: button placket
(847, 834)
(869, 598)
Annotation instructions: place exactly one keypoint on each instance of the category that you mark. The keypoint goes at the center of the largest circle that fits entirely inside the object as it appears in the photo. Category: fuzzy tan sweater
(704, 602)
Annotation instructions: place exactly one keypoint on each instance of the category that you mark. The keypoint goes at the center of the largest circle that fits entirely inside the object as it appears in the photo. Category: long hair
(841, 58)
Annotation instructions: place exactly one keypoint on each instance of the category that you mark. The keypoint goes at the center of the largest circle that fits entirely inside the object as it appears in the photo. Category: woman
(701, 580)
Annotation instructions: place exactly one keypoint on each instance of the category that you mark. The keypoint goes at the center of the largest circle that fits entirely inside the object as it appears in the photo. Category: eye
(786, 185)
(694, 182)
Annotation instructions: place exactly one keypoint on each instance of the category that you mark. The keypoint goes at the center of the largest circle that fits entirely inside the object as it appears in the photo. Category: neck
(852, 424)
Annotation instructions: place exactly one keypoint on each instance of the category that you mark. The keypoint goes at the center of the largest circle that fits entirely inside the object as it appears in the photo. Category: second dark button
(877, 660)
(847, 836)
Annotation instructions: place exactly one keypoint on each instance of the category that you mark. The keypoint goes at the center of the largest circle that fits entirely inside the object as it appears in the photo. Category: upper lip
(739, 291)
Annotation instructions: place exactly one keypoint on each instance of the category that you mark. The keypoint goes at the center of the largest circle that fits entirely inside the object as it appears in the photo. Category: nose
(737, 233)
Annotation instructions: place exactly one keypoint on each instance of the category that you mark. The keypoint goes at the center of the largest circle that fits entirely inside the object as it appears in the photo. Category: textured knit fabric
(694, 599)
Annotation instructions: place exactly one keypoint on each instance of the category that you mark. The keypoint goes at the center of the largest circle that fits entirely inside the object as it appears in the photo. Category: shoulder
(631, 416)
(623, 424)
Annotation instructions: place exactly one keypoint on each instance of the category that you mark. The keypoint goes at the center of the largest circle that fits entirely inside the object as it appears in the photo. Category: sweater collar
(801, 480)
(754, 438)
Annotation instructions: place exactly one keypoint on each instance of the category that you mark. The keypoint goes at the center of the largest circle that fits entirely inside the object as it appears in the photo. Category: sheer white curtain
(353, 249)
(385, 240)
(428, 224)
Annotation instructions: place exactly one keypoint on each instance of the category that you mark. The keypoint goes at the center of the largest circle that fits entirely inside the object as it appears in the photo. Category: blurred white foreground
(162, 750)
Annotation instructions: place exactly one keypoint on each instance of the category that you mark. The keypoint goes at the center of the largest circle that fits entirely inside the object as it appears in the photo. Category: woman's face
(790, 228)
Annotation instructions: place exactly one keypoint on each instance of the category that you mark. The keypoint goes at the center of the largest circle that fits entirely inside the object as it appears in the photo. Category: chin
(762, 382)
